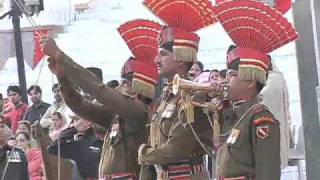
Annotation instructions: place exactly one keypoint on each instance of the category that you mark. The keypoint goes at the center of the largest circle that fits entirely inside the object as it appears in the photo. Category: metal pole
(15, 14)
(308, 78)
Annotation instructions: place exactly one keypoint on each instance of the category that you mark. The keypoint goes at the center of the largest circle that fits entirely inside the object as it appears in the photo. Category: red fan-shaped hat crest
(183, 18)
(281, 5)
(189, 15)
(257, 30)
(252, 24)
(141, 37)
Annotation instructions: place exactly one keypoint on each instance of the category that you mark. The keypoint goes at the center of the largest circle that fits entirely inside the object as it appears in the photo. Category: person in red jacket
(20, 108)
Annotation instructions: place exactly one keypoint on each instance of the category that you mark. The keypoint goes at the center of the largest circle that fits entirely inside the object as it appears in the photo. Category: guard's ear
(252, 84)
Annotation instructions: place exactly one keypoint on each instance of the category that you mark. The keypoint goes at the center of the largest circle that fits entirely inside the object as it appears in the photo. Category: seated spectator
(58, 124)
(13, 163)
(25, 126)
(34, 158)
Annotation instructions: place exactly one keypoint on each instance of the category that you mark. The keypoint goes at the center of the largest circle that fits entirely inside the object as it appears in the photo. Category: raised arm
(94, 112)
(113, 100)
(61, 65)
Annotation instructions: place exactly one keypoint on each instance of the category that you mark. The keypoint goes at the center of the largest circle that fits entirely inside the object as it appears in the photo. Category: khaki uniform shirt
(171, 137)
(250, 143)
(125, 117)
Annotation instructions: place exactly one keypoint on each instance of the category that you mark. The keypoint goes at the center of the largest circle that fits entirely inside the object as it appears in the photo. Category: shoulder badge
(262, 132)
(114, 130)
(233, 136)
(263, 120)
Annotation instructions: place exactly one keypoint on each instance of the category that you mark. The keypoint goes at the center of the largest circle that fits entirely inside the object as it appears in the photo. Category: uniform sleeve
(266, 146)
(112, 99)
(179, 146)
(83, 107)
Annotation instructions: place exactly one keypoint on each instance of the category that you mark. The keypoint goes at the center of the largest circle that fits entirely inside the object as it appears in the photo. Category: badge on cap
(234, 135)
(262, 131)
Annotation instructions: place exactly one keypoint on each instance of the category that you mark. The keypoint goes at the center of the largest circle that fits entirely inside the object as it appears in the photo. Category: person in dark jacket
(38, 108)
(13, 162)
(80, 144)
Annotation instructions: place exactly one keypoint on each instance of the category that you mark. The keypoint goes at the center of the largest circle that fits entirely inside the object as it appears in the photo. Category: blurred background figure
(214, 75)
(14, 115)
(25, 126)
(1, 104)
(196, 70)
(35, 164)
(276, 97)
(58, 106)
(80, 144)
(13, 162)
(203, 77)
(59, 123)
(38, 107)
(113, 84)
(223, 74)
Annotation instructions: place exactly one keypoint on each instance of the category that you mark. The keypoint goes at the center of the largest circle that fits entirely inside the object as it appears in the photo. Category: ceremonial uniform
(124, 115)
(250, 135)
(180, 134)
(250, 143)
(175, 152)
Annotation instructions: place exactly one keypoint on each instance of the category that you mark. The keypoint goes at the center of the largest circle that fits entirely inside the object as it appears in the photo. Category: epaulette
(258, 108)
(263, 120)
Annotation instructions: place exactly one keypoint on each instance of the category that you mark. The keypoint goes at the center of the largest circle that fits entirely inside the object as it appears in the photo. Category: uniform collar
(242, 107)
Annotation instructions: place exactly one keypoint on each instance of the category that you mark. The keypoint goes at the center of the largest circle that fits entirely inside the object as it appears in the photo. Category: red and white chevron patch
(262, 131)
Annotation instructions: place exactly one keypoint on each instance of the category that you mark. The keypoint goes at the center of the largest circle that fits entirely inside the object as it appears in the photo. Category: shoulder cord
(163, 119)
(206, 148)
(239, 121)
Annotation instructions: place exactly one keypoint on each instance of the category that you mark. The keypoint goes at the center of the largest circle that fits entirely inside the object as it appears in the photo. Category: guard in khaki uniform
(250, 135)
(123, 111)
(180, 134)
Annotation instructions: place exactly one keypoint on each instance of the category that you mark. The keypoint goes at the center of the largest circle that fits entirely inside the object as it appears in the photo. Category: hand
(141, 151)
(49, 46)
